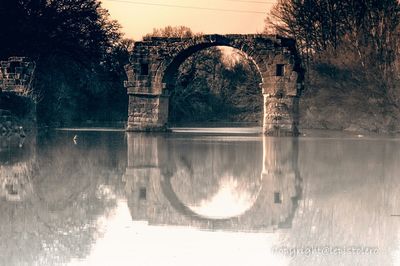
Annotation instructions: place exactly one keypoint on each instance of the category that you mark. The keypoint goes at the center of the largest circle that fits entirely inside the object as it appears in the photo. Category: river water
(200, 196)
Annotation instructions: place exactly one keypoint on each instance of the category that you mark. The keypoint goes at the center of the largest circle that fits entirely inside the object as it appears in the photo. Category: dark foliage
(213, 86)
(369, 28)
(350, 49)
(19, 106)
(79, 54)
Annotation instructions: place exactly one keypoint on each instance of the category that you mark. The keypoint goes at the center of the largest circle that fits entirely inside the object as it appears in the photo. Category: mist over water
(199, 196)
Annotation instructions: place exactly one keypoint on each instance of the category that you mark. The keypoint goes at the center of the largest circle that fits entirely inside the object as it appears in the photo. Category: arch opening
(213, 83)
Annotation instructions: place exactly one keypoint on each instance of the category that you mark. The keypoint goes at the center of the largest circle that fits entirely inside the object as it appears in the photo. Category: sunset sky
(139, 17)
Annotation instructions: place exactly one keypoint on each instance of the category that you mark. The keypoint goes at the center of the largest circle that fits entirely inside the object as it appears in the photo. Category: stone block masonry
(17, 108)
(155, 62)
(146, 113)
(16, 75)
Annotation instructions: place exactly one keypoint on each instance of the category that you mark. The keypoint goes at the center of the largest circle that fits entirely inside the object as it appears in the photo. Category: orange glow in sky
(139, 17)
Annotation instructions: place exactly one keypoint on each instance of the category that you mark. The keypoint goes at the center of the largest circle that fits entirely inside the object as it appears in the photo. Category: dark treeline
(370, 27)
(350, 49)
(217, 84)
(214, 84)
(79, 54)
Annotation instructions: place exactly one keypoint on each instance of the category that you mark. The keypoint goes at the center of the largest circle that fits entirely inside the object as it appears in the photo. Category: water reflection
(16, 169)
(51, 196)
(350, 192)
(64, 201)
(213, 183)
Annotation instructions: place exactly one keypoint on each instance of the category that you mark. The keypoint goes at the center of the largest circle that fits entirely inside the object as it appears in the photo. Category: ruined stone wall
(16, 75)
(17, 107)
(155, 62)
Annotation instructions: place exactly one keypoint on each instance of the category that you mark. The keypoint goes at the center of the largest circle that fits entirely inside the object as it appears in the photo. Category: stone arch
(170, 66)
(154, 64)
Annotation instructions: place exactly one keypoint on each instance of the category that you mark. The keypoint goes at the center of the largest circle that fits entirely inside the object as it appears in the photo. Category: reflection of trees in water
(17, 164)
(15, 181)
(201, 169)
(72, 187)
(350, 190)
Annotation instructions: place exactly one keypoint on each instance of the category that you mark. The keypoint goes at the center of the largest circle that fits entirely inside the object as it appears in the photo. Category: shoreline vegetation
(349, 51)
(352, 58)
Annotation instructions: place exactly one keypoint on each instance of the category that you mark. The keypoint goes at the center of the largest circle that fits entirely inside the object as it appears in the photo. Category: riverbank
(341, 98)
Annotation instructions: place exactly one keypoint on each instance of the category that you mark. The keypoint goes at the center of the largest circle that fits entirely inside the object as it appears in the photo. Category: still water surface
(200, 197)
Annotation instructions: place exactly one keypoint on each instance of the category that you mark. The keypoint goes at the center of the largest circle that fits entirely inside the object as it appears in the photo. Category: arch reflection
(213, 183)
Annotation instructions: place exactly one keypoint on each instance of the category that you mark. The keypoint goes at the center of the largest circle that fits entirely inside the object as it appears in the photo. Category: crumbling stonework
(16, 75)
(154, 67)
(17, 108)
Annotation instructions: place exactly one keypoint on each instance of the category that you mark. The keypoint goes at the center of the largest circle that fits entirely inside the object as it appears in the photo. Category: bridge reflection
(212, 184)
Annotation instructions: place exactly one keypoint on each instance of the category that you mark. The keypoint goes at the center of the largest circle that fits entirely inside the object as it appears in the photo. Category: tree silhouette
(79, 53)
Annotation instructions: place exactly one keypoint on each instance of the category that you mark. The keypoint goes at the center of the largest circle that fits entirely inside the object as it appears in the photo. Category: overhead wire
(189, 7)
(254, 2)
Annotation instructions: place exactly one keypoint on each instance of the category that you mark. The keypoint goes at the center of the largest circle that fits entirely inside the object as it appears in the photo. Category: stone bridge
(170, 181)
(155, 61)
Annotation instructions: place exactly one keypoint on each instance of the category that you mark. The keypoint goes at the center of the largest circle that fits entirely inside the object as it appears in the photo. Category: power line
(254, 2)
(188, 7)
